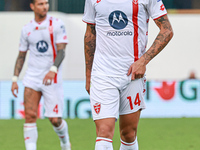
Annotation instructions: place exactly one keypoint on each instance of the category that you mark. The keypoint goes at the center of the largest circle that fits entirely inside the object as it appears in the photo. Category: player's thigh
(105, 127)
(31, 100)
(128, 126)
(132, 97)
(104, 98)
(129, 121)
(53, 100)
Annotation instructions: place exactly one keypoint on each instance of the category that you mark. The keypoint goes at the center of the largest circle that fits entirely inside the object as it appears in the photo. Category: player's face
(40, 8)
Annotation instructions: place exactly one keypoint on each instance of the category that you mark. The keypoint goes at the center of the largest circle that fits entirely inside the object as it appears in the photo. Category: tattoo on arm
(161, 40)
(19, 63)
(90, 45)
(60, 54)
(61, 46)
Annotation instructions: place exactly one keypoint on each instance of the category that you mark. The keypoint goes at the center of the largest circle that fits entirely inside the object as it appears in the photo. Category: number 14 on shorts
(137, 101)
(56, 109)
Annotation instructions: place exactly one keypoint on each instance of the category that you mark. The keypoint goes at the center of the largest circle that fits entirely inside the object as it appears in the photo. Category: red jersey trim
(89, 23)
(62, 43)
(160, 16)
(135, 24)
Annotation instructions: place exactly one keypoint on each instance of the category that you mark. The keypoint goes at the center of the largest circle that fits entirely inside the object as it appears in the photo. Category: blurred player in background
(192, 75)
(116, 38)
(46, 39)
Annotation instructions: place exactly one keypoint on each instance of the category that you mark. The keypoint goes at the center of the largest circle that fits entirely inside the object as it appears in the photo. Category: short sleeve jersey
(121, 32)
(40, 40)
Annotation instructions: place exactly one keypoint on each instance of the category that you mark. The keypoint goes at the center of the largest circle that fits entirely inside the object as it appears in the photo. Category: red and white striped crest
(97, 107)
(50, 29)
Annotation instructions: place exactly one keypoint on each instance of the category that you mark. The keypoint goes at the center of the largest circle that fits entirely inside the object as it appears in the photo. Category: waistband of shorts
(107, 75)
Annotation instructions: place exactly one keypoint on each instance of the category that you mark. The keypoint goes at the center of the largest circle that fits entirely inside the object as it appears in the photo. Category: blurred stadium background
(172, 98)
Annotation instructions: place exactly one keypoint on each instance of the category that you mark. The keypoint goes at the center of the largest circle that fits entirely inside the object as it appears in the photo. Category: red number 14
(56, 109)
(136, 102)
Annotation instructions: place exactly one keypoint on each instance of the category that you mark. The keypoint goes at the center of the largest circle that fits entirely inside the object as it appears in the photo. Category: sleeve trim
(61, 42)
(160, 16)
(89, 22)
(23, 50)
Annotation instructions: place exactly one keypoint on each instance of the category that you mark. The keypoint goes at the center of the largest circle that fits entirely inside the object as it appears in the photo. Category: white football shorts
(53, 97)
(114, 96)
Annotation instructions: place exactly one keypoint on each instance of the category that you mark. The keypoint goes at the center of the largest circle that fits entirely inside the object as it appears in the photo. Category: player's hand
(137, 69)
(49, 78)
(14, 88)
(87, 86)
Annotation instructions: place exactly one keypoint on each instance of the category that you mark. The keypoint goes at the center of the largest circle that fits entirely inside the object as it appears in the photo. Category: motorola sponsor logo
(118, 20)
(42, 46)
(120, 33)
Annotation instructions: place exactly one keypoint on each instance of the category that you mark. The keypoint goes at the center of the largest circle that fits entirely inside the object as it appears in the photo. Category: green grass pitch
(153, 134)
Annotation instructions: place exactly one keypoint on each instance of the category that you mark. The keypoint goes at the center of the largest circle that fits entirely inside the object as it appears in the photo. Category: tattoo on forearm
(60, 54)
(19, 63)
(61, 46)
(59, 58)
(161, 40)
(90, 45)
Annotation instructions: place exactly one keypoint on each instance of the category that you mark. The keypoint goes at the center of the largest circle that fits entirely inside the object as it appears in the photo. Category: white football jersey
(121, 32)
(40, 40)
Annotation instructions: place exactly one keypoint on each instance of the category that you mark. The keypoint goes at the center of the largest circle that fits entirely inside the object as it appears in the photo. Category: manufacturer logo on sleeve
(42, 46)
(162, 7)
(63, 28)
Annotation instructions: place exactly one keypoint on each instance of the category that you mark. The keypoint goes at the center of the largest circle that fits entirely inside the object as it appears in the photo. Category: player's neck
(40, 19)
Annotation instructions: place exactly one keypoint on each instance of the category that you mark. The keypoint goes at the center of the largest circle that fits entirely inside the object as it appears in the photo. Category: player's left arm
(138, 68)
(60, 54)
(58, 60)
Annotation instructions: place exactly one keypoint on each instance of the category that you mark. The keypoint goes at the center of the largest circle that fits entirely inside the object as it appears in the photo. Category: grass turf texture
(153, 134)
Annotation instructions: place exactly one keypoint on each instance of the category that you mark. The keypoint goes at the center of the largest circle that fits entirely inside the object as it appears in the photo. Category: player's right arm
(23, 47)
(89, 46)
(18, 67)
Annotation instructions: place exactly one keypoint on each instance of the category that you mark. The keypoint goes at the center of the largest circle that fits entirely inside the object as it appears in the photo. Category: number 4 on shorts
(136, 102)
(55, 109)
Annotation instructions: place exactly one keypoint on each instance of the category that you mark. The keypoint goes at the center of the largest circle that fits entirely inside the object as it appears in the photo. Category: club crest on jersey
(118, 20)
(42, 46)
(50, 29)
(135, 2)
(97, 107)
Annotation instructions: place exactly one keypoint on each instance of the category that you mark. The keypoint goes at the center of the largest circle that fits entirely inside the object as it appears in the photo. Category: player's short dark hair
(32, 1)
